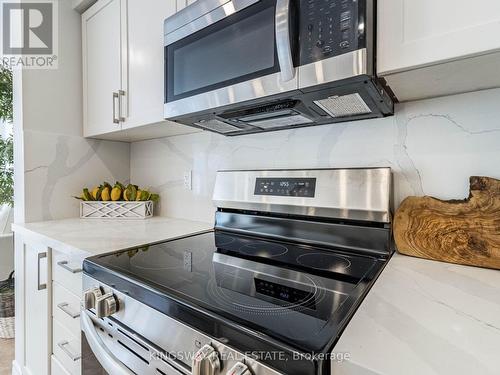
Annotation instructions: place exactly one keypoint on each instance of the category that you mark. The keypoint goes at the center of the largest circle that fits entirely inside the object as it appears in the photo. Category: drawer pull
(63, 345)
(64, 307)
(40, 257)
(64, 264)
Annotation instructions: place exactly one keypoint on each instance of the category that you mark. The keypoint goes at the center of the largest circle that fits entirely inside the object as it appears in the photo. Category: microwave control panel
(330, 28)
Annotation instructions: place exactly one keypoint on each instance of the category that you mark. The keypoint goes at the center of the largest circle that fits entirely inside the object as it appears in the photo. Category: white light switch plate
(188, 180)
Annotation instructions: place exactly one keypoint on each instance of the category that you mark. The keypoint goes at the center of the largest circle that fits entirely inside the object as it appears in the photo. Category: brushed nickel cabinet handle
(64, 264)
(63, 345)
(40, 257)
(64, 307)
(121, 96)
(115, 97)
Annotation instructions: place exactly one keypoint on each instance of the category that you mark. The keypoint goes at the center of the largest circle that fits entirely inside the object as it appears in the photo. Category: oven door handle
(107, 360)
(283, 44)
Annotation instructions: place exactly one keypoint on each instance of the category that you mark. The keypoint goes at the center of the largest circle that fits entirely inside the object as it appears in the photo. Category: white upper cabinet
(432, 39)
(102, 67)
(146, 61)
(183, 3)
(180, 4)
(123, 69)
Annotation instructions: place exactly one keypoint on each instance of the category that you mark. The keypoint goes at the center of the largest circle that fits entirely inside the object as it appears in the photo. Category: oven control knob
(90, 297)
(106, 305)
(239, 369)
(206, 361)
(320, 43)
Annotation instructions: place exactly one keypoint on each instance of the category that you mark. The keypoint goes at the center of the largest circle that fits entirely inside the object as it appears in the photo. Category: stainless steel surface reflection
(319, 297)
(199, 15)
(335, 68)
(356, 194)
(282, 273)
(236, 93)
(156, 345)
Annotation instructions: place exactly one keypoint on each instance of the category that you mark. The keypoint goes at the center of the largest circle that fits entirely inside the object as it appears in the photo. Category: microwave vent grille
(217, 126)
(345, 105)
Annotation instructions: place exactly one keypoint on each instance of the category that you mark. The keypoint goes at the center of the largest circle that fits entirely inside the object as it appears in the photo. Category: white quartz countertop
(425, 317)
(90, 237)
(420, 317)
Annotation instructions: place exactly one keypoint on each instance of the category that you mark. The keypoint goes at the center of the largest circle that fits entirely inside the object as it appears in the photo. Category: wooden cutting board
(457, 231)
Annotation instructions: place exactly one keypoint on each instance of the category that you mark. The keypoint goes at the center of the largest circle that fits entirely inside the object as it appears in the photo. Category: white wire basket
(135, 210)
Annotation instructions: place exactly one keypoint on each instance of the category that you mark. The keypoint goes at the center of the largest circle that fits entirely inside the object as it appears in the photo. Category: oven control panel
(285, 187)
(329, 28)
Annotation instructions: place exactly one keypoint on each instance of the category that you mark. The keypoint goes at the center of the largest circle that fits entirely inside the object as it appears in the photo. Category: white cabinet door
(37, 317)
(102, 66)
(181, 4)
(417, 33)
(145, 93)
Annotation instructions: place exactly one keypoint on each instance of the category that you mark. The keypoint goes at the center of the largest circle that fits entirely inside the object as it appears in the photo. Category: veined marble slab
(90, 237)
(425, 318)
(432, 147)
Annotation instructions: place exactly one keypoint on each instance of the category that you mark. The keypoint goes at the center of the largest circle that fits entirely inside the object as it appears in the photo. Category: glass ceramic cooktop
(297, 294)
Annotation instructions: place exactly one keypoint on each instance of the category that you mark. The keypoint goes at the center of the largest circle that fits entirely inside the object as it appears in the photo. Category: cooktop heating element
(266, 250)
(326, 262)
(283, 272)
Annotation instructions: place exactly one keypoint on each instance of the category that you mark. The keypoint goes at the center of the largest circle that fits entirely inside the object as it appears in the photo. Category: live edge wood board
(457, 231)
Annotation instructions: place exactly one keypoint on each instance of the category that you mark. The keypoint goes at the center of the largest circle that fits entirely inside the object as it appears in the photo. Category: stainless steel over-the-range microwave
(246, 66)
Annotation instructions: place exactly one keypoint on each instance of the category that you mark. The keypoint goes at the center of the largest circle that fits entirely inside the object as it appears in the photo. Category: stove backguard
(342, 209)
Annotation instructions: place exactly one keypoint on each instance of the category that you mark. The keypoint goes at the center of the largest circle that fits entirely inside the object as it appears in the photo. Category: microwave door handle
(107, 360)
(283, 44)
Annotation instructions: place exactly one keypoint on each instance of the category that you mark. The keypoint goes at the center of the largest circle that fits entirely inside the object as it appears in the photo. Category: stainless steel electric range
(268, 291)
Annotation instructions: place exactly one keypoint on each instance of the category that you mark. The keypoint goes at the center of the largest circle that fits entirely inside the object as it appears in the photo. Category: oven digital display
(285, 293)
(286, 187)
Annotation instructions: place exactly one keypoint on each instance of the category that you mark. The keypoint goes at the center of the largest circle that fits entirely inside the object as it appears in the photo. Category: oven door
(110, 348)
(222, 52)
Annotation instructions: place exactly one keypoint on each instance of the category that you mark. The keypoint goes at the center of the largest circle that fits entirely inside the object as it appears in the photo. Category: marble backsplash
(58, 166)
(432, 146)
(53, 161)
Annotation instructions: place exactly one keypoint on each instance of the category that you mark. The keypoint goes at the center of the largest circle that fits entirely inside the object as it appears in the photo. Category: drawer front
(56, 367)
(66, 308)
(67, 348)
(67, 271)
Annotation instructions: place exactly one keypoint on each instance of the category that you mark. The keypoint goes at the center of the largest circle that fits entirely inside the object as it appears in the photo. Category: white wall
(53, 161)
(433, 146)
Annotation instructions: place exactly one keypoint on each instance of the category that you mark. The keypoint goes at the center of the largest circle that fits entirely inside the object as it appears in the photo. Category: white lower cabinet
(36, 323)
(67, 271)
(66, 307)
(48, 299)
(56, 367)
(67, 348)
(66, 301)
